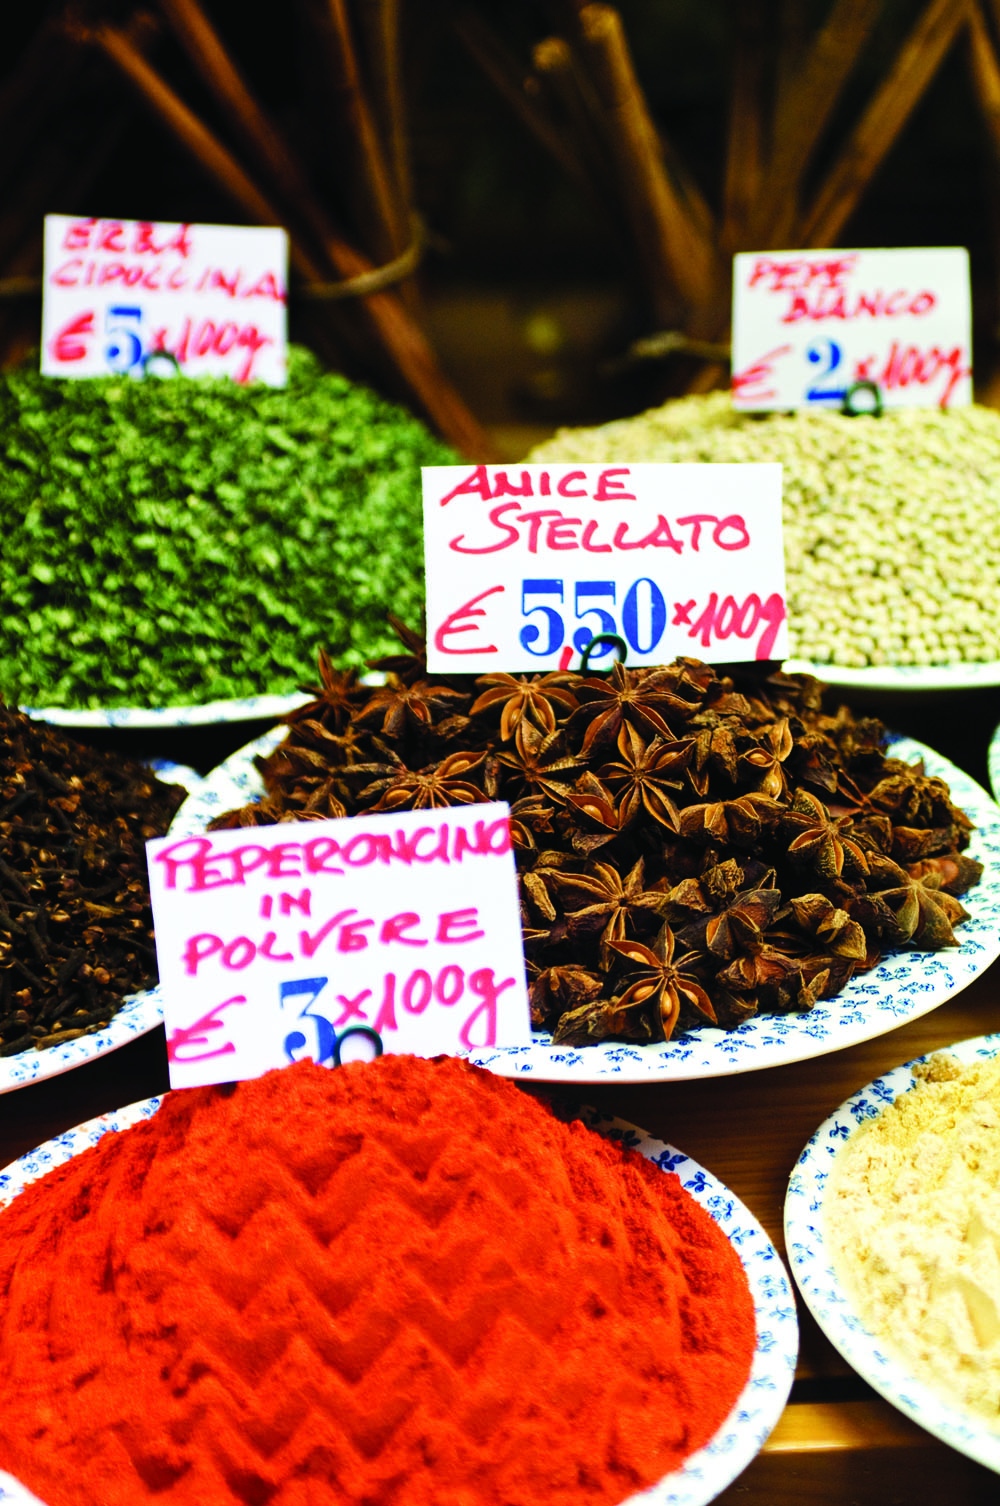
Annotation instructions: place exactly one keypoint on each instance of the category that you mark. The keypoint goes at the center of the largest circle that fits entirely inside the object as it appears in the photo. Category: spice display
(76, 930)
(399, 1278)
(912, 1215)
(892, 552)
(172, 542)
(691, 849)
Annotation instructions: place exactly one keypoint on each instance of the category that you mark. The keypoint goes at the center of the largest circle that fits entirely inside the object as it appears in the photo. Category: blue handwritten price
(644, 616)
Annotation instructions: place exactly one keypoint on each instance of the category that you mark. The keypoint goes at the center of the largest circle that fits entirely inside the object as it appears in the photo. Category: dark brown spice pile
(692, 848)
(76, 930)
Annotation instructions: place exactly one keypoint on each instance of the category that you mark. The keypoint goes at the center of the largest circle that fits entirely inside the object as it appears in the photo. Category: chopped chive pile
(172, 542)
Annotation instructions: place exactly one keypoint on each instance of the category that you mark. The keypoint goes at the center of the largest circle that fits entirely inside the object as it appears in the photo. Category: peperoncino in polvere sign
(526, 564)
(279, 942)
(127, 297)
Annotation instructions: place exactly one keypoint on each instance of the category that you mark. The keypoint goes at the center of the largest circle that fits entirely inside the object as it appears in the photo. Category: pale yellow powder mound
(913, 1217)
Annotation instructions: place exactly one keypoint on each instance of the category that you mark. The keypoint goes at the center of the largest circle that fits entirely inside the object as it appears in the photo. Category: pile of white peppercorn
(892, 524)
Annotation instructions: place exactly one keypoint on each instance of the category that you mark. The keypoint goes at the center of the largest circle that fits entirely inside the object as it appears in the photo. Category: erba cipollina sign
(279, 942)
(131, 297)
(808, 326)
(527, 564)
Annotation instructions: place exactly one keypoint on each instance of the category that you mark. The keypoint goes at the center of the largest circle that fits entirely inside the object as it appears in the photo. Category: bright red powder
(396, 1282)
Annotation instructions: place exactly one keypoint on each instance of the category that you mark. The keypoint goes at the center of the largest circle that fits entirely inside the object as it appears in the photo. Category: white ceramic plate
(904, 986)
(759, 1405)
(249, 709)
(900, 676)
(827, 1299)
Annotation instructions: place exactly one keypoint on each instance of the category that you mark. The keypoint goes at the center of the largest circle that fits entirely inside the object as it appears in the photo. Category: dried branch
(879, 126)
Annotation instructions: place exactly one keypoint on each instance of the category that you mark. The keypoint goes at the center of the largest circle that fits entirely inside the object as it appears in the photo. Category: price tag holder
(396, 932)
(526, 565)
(138, 297)
(818, 329)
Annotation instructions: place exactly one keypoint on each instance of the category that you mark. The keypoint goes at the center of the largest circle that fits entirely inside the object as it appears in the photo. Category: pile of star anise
(691, 848)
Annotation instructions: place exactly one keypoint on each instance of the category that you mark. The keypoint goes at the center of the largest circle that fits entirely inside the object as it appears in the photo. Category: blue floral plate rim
(209, 713)
(821, 1288)
(905, 985)
(759, 1405)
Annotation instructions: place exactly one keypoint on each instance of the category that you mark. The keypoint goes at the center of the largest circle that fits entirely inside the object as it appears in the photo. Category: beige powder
(913, 1217)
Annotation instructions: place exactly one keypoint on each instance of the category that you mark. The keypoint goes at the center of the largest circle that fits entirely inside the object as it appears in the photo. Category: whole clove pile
(76, 930)
(692, 847)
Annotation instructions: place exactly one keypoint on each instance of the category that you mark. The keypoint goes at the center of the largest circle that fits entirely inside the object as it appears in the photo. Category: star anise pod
(601, 1020)
(432, 788)
(913, 798)
(741, 821)
(832, 928)
(542, 700)
(606, 904)
(957, 871)
(715, 748)
(335, 699)
(408, 666)
(662, 985)
(924, 911)
(605, 705)
(647, 775)
(739, 927)
(398, 706)
(822, 843)
(540, 766)
(765, 762)
(555, 991)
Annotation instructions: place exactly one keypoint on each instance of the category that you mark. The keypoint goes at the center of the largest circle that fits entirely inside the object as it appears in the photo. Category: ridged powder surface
(394, 1282)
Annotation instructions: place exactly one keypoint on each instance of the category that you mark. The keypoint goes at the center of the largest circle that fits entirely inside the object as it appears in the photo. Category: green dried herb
(174, 542)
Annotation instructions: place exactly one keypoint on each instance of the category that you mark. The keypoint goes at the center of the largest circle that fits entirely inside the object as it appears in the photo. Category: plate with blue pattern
(212, 713)
(139, 1013)
(762, 1400)
(905, 984)
(824, 1293)
(993, 762)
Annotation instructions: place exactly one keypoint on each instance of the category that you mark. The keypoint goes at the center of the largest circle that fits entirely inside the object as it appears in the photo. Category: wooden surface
(837, 1443)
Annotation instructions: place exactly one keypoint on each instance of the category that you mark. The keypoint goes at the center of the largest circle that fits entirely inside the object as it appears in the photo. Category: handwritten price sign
(405, 927)
(121, 297)
(809, 325)
(525, 565)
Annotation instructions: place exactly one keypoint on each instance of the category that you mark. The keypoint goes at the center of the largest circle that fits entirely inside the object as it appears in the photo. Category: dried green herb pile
(892, 543)
(76, 930)
(172, 542)
(690, 850)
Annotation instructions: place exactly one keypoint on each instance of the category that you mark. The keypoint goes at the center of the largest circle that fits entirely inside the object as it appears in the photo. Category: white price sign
(526, 565)
(808, 326)
(398, 932)
(121, 297)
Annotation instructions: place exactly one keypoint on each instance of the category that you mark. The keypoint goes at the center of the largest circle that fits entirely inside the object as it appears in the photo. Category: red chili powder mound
(396, 1282)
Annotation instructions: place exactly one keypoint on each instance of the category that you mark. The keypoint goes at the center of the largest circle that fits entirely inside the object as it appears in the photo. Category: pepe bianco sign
(810, 326)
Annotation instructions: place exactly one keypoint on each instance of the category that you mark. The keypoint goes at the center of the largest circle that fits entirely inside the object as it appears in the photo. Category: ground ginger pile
(913, 1218)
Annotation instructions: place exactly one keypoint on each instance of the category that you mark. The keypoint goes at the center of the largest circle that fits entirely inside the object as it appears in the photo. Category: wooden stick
(379, 24)
(507, 77)
(745, 146)
(404, 341)
(887, 113)
(805, 104)
(985, 71)
(359, 151)
(676, 258)
(556, 70)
